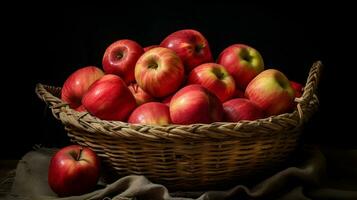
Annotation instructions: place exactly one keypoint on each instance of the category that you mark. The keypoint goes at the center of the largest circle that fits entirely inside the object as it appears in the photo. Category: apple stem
(136, 88)
(119, 56)
(219, 74)
(79, 154)
(153, 66)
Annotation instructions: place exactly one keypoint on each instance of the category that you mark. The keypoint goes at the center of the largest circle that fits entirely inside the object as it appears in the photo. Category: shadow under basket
(189, 157)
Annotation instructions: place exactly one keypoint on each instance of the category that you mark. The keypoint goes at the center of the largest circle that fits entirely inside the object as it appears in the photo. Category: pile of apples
(178, 82)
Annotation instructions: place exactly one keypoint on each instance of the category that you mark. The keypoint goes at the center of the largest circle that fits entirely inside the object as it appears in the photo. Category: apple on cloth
(73, 170)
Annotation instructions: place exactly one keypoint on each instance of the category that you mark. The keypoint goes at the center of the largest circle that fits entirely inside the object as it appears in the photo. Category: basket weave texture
(189, 156)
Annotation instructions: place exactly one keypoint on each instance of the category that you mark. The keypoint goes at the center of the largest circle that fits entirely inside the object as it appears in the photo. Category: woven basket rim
(306, 105)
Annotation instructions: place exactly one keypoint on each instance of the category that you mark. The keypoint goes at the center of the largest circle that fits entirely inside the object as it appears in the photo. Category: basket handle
(312, 81)
(310, 88)
(49, 94)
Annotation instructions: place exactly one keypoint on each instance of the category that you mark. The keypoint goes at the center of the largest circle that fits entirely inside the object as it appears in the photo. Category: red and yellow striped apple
(215, 78)
(272, 91)
(159, 72)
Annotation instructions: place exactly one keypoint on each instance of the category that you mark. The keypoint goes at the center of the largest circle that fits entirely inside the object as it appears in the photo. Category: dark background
(46, 44)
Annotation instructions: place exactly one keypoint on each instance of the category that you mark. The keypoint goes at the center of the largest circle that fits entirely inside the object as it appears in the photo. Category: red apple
(241, 109)
(73, 170)
(272, 91)
(195, 104)
(139, 94)
(298, 87)
(150, 47)
(215, 78)
(242, 62)
(159, 72)
(77, 84)
(153, 113)
(191, 46)
(109, 98)
(120, 58)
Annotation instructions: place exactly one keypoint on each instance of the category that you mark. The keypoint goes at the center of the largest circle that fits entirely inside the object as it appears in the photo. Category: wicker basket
(189, 156)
